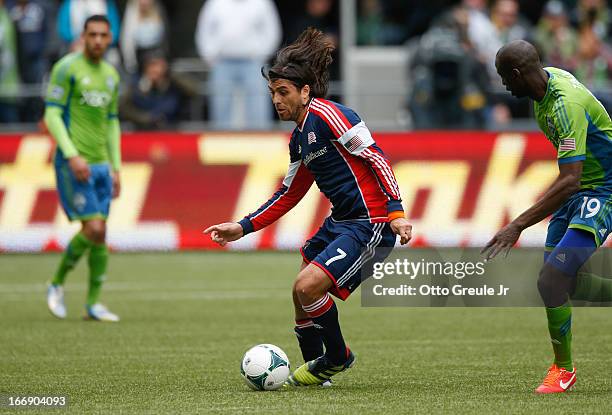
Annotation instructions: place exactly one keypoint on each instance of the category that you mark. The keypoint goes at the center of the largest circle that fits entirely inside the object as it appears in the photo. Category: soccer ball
(265, 367)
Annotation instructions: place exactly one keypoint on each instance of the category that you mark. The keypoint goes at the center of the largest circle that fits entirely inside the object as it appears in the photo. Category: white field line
(144, 292)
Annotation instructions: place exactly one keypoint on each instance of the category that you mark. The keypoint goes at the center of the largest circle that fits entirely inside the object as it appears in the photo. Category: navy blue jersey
(334, 148)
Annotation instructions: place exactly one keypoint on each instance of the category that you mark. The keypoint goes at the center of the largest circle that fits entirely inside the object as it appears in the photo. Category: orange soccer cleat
(557, 380)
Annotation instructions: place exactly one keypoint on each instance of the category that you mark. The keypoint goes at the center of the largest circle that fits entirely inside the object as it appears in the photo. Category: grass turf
(188, 318)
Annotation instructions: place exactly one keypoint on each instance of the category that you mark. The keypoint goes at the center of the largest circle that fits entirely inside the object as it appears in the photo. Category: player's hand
(116, 184)
(225, 232)
(401, 227)
(79, 168)
(503, 240)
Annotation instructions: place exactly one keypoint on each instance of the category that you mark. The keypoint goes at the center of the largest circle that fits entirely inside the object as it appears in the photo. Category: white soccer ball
(265, 367)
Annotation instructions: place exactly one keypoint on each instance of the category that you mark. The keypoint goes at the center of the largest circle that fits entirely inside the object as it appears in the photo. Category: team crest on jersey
(312, 138)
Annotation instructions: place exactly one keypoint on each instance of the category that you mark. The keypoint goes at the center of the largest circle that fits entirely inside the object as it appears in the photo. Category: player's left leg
(95, 230)
(556, 283)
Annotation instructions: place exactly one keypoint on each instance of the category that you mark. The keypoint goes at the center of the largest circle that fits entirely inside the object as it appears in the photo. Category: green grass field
(188, 318)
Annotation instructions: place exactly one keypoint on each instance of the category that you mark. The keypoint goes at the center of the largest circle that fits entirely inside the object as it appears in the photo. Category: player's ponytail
(305, 62)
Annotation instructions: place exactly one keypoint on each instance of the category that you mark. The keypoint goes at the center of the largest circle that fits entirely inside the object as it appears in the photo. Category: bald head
(518, 63)
(518, 54)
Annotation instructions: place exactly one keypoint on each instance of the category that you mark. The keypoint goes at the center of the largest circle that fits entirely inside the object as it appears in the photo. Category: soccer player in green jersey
(81, 115)
(580, 199)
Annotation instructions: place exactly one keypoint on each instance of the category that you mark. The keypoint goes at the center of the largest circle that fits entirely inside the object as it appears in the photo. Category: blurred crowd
(453, 72)
(452, 46)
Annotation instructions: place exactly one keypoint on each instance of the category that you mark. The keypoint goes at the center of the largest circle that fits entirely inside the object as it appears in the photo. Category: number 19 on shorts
(590, 207)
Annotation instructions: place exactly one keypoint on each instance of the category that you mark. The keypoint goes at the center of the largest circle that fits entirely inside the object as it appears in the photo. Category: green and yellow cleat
(318, 372)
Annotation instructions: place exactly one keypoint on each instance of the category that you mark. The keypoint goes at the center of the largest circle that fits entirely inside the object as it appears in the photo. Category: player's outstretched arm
(225, 232)
(565, 185)
(295, 185)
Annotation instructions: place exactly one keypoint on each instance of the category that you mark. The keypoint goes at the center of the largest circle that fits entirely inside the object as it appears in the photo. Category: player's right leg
(77, 246)
(309, 339)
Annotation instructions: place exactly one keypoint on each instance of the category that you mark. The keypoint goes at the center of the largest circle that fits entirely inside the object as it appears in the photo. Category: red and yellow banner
(458, 188)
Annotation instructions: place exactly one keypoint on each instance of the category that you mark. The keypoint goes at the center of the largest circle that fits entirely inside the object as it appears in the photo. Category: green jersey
(87, 93)
(579, 127)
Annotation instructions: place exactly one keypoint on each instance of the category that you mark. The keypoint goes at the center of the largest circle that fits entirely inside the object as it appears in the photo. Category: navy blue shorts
(341, 248)
(84, 200)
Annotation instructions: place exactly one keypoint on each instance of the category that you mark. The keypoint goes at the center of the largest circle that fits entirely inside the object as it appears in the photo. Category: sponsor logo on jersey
(311, 156)
(95, 98)
(312, 138)
(603, 232)
(561, 258)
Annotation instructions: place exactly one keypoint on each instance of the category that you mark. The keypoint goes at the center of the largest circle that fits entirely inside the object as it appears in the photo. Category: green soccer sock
(592, 287)
(560, 328)
(74, 251)
(98, 259)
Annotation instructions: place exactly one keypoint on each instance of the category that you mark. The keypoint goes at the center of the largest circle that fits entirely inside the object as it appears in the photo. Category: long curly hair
(305, 62)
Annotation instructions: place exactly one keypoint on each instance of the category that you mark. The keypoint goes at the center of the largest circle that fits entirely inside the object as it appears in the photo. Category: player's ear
(305, 94)
(516, 73)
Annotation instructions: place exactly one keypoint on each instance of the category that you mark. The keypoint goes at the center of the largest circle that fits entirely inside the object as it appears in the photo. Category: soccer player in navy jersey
(333, 147)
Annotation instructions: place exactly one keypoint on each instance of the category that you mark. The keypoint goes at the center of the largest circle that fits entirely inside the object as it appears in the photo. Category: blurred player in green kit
(81, 115)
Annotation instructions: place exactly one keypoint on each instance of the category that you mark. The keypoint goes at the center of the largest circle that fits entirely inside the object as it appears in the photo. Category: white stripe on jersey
(386, 170)
(336, 144)
(332, 117)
